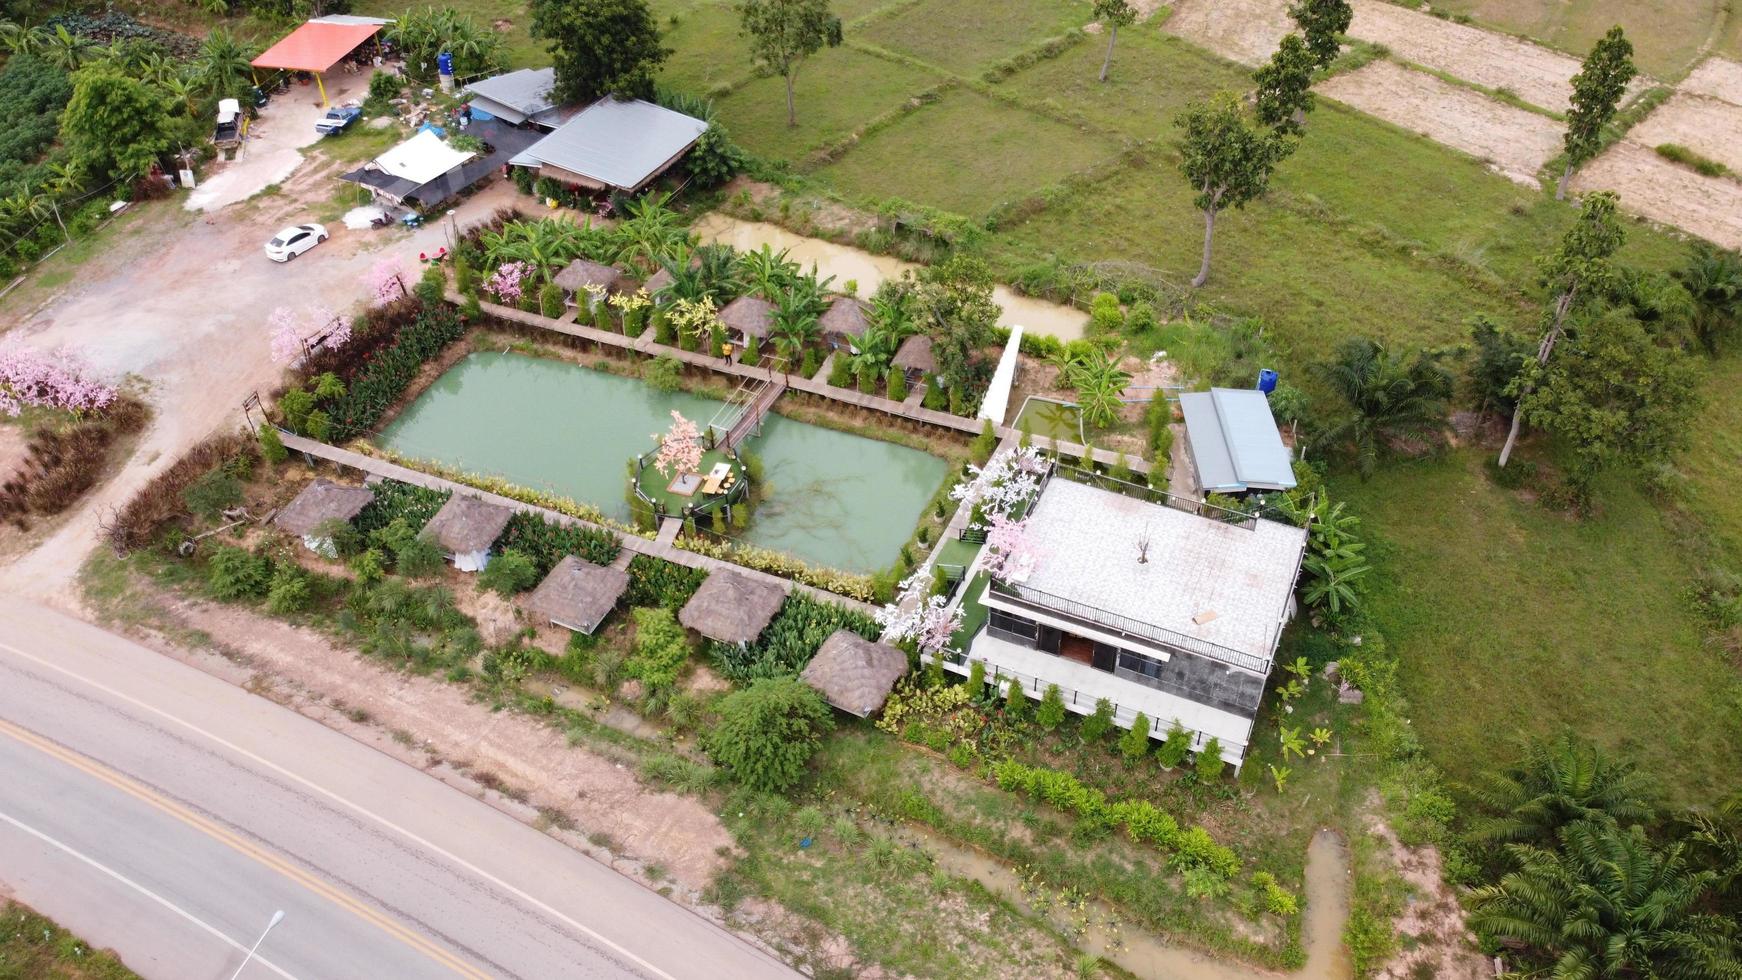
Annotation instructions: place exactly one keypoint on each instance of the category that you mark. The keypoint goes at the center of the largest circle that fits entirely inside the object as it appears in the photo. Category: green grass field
(1713, 465)
(1666, 34)
(837, 92)
(969, 35)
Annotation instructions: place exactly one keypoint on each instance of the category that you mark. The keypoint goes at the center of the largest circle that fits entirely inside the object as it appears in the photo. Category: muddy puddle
(1099, 929)
(868, 270)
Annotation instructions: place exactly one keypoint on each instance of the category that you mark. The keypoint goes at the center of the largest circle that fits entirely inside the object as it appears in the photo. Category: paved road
(165, 813)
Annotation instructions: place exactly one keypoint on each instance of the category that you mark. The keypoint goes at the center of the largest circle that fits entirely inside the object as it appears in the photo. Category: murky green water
(833, 499)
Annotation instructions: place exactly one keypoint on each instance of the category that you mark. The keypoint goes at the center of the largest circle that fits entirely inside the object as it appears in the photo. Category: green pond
(831, 498)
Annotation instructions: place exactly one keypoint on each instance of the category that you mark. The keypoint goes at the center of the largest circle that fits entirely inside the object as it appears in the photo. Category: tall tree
(114, 126)
(600, 47)
(1578, 270)
(1558, 781)
(1284, 95)
(1613, 395)
(1113, 14)
(1226, 159)
(953, 303)
(783, 33)
(1324, 22)
(1386, 396)
(1597, 91)
(1608, 903)
(1713, 279)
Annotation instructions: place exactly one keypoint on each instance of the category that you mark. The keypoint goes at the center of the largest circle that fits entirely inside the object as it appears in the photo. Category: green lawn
(838, 91)
(1666, 34)
(1713, 465)
(1510, 619)
(707, 54)
(966, 36)
(967, 153)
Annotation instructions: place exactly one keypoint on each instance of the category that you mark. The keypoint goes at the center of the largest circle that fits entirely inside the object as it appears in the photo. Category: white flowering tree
(917, 615)
(680, 449)
(1009, 479)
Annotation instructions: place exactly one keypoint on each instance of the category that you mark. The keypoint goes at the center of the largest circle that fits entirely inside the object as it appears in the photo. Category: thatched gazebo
(748, 316)
(579, 274)
(318, 503)
(466, 527)
(844, 322)
(577, 595)
(853, 673)
(915, 358)
(732, 607)
(658, 281)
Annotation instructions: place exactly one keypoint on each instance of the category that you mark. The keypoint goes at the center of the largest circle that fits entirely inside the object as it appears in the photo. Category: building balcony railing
(1112, 622)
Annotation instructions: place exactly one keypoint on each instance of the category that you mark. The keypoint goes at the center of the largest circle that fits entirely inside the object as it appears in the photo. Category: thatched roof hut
(658, 281)
(319, 502)
(853, 673)
(579, 274)
(915, 355)
(844, 320)
(577, 594)
(467, 525)
(750, 316)
(732, 607)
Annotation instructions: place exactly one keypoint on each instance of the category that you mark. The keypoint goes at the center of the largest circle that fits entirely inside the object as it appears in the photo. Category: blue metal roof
(1235, 442)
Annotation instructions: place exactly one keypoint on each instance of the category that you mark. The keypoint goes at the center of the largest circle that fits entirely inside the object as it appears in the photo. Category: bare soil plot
(1716, 78)
(1246, 31)
(1650, 186)
(1515, 142)
(1709, 127)
(1533, 73)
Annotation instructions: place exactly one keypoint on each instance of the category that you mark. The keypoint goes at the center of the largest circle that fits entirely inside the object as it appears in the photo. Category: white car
(295, 240)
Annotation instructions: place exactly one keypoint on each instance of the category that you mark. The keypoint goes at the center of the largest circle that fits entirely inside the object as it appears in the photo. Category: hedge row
(546, 544)
(386, 375)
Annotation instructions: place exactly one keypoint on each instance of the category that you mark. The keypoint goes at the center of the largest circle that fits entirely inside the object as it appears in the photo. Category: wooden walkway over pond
(911, 410)
(661, 548)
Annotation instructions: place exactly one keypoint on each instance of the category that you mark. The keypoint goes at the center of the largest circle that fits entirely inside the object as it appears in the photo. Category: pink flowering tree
(385, 280)
(1010, 553)
(333, 330)
(56, 379)
(680, 449)
(915, 614)
(286, 330)
(507, 281)
(291, 334)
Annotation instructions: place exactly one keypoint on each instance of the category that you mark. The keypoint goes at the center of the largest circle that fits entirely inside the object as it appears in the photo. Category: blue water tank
(1266, 380)
(445, 63)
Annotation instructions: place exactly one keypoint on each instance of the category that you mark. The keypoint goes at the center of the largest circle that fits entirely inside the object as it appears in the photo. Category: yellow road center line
(243, 846)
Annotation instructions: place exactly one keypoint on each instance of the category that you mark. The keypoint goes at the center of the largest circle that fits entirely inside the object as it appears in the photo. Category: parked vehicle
(337, 120)
(295, 240)
(229, 129)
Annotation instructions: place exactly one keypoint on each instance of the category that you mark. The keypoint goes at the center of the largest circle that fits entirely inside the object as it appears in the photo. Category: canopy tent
(316, 47)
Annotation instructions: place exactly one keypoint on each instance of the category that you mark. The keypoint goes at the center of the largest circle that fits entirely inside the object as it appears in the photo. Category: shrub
(1134, 744)
(1140, 319)
(663, 373)
(840, 370)
(550, 300)
(271, 446)
(1015, 702)
(768, 732)
(411, 504)
(1051, 712)
(160, 499)
(977, 680)
(431, 285)
(957, 399)
(1174, 747)
(545, 544)
(1105, 317)
(289, 590)
(419, 557)
(657, 582)
(1209, 761)
(752, 352)
(1160, 426)
(790, 641)
(508, 573)
(934, 396)
(1277, 899)
(660, 650)
(384, 377)
(235, 573)
(1096, 726)
(984, 443)
(897, 390)
(370, 566)
(867, 381)
(212, 494)
(319, 426)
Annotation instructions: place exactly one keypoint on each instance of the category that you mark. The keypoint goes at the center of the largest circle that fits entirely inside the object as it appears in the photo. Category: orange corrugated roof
(315, 46)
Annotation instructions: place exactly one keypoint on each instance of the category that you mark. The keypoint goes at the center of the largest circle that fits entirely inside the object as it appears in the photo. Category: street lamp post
(277, 917)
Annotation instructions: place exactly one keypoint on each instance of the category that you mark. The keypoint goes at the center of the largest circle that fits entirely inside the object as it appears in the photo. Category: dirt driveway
(184, 307)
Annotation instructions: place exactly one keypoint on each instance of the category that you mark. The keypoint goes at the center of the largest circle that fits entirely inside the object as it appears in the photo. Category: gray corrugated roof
(618, 143)
(517, 95)
(1235, 442)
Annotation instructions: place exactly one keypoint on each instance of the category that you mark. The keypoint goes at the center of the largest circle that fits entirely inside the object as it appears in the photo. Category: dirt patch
(1246, 31)
(1436, 941)
(1710, 127)
(1531, 72)
(1514, 142)
(1668, 193)
(1716, 78)
(13, 446)
(601, 795)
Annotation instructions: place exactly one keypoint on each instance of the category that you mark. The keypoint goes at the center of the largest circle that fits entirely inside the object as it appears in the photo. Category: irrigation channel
(1107, 933)
(832, 498)
(868, 270)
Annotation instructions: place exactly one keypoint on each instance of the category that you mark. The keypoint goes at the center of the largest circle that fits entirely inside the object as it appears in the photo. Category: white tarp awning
(997, 401)
(228, 109)
(421, 159)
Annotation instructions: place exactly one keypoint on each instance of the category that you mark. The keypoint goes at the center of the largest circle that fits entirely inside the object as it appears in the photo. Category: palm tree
(1713, 278)
(1607, 903)
(1387, 397)
(1558, 781)
(222, 66)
